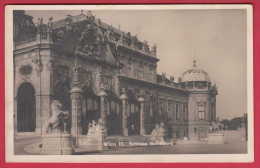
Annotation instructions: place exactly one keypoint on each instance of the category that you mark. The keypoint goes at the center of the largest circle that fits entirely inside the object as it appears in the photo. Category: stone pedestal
(93, 141)
(57, 144)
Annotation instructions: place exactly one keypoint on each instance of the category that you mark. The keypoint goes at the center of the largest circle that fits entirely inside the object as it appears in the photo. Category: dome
(195, 74)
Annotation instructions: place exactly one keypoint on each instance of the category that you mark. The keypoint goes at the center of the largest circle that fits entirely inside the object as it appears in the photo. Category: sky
(215, 38)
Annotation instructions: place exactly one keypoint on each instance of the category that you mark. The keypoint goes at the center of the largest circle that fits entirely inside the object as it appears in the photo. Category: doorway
(26, 108)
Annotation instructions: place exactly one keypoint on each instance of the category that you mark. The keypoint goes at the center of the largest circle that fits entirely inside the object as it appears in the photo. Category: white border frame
(187, 158)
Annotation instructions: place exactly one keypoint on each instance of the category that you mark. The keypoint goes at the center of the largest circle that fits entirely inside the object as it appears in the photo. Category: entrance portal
(90, 109)
(26, 111)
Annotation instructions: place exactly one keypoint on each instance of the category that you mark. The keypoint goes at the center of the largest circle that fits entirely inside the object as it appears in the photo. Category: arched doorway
(133, 110)
(26, 111)
(114, 117)
(90, 108)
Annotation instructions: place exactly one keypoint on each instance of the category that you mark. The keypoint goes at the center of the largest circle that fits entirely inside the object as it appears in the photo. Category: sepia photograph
(129, 83)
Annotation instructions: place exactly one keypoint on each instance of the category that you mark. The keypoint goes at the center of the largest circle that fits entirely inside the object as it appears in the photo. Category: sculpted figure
(95, 128)
(55, 122)
(158, 133)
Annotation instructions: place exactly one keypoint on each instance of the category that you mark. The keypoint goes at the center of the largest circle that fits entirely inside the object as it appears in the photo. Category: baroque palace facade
(98, 71)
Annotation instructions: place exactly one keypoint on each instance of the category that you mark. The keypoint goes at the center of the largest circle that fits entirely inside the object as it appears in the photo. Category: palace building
(98, 71)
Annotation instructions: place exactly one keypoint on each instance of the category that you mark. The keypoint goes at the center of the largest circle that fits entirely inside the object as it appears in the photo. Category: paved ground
(183, 149)
(234, 145)
(21, 142)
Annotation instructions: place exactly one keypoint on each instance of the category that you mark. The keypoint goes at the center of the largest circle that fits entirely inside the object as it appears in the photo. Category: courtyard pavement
(233, 145)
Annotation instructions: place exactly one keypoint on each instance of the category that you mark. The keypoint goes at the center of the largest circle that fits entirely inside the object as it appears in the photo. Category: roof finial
(194, 63)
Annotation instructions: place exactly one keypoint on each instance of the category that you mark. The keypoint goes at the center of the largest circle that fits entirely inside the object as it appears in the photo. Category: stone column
(142, 129)
(76, 105)
(123, 98)
(76, 108)
(103, 114)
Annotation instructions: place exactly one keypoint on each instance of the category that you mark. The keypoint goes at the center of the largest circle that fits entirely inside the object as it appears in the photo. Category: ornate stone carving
(91, 40)
(38, 64)
(86, 78)
(25, 70)
(106, 82)
(50, 65)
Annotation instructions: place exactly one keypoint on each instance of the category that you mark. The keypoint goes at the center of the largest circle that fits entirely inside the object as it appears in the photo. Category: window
(195, 130)
(181, 112)
(185, 111)
(132, 108)
(140, 74)
(201, 110)
(151, 109)
(177, 112)
(129, 70)
(169, 106)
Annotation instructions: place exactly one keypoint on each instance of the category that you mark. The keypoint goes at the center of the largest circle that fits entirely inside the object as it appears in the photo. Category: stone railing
(133, 48)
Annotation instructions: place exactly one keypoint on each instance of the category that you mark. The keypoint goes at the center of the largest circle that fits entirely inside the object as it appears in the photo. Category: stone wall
(39, 77)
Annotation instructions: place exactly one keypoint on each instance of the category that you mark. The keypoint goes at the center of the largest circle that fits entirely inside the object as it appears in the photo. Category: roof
(195, 74)
(122, 37)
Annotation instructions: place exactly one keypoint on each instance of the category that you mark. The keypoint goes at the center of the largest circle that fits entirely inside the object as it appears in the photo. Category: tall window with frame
(186, 112)
(170, 109)
(177, 112)
(201, 106)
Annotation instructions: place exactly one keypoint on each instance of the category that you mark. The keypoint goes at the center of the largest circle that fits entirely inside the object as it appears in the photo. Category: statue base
(57, 144)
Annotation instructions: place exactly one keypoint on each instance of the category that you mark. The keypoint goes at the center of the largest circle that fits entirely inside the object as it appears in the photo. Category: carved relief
(25, 70)
(38, 64)
(86, 78)
(107, 82)
(91, 40)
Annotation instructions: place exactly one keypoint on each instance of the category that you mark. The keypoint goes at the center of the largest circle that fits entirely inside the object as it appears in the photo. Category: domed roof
(195, 74)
